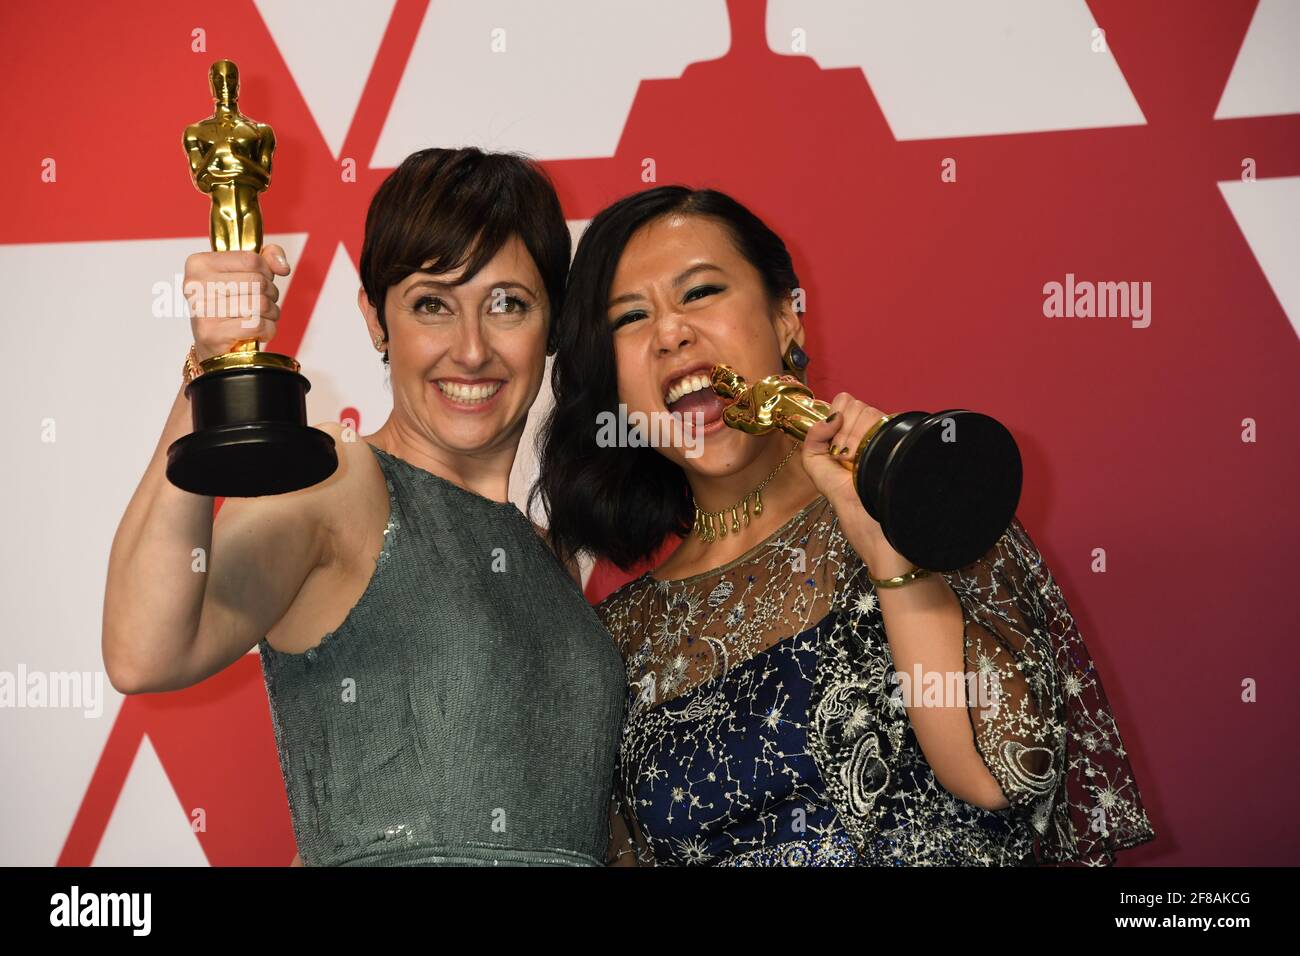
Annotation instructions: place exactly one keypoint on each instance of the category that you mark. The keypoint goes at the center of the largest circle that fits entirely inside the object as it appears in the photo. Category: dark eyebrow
(679, 280)
(514, 284)
(625, 297)
(693, 270)
(434, 284)
(428, 284)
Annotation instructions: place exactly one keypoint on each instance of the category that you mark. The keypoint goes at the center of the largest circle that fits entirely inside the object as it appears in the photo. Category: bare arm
(923, 620)
(185, 597)
(924, 626)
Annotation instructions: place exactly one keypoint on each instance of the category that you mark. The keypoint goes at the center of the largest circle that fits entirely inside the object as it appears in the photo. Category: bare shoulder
(356, 488)
(315, 511)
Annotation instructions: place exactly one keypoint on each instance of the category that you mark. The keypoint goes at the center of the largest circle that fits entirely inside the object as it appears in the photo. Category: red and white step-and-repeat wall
(933, 164)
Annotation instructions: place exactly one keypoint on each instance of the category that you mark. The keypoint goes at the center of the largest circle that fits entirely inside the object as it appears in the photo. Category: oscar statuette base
(943, 486)
(249, 438)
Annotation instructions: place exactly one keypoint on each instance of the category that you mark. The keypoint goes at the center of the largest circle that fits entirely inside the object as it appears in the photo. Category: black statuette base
(250, 436)
(944, 487)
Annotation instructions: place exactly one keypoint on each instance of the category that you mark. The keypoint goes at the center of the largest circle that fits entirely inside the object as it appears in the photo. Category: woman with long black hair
(798, 692)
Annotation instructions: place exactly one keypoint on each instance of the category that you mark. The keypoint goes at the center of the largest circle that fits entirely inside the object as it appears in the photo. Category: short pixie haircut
(458, 207)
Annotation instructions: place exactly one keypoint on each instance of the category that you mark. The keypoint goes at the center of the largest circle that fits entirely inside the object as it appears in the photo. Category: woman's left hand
(827, 449)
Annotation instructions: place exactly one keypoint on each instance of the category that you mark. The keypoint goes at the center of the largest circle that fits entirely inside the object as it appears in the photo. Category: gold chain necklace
(711, 525)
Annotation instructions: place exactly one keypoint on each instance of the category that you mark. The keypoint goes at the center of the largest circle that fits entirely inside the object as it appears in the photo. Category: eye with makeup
(627, 317)
(693, 294)
(504, 304)
(700, 292)
(430, 305)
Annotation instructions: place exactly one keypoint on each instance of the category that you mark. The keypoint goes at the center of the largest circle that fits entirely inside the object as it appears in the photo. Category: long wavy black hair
(621, 503)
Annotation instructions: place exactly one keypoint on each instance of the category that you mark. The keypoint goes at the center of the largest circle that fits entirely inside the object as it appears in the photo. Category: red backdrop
(920, 294)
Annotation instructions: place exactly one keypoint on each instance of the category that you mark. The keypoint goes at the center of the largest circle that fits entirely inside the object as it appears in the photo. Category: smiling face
(467, 360)
(682, 299)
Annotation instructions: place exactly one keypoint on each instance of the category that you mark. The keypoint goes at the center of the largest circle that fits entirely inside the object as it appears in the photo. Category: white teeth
(684, 386)
(468, 394)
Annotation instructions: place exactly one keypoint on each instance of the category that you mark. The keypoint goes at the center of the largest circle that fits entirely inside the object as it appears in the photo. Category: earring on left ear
(795, 358)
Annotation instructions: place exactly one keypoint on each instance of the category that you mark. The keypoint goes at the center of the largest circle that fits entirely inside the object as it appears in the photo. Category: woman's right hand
(233, 296)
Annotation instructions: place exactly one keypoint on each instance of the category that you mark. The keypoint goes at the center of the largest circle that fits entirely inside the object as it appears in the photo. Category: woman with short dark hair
(440, 690)
(799, 693)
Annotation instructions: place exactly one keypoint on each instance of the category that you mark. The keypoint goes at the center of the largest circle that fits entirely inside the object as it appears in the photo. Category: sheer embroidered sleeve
(1040, 718)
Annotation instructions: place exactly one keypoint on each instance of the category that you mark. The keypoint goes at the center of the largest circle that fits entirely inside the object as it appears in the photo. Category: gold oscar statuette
(944, 486)
(250, 434)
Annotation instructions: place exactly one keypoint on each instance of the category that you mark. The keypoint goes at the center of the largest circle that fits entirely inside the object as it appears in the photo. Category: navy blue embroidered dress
(765, 723)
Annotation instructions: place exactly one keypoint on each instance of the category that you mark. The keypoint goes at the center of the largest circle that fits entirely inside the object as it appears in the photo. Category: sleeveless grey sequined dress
(467, 710)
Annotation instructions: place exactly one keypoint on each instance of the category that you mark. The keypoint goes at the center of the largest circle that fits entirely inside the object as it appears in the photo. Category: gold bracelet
(192, 368)
(897, 582)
